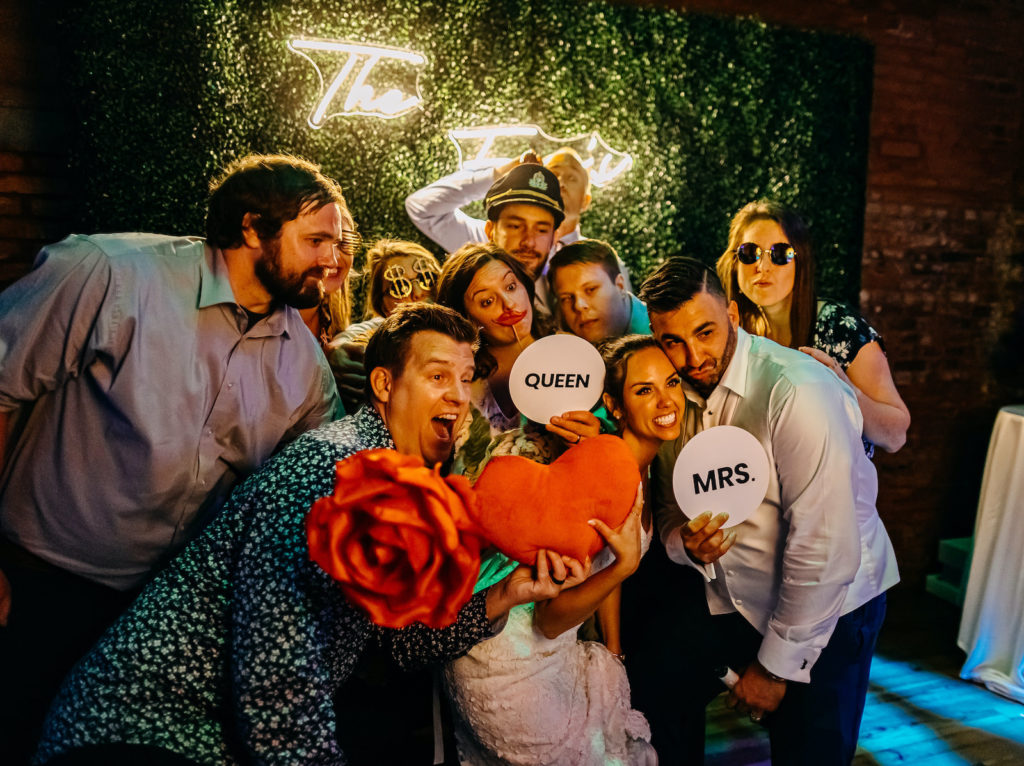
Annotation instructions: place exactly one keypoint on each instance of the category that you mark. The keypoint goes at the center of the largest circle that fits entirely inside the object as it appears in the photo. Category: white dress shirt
(815, 549)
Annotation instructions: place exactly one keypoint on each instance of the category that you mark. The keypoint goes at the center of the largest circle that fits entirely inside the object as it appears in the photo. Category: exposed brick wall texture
(943, 262)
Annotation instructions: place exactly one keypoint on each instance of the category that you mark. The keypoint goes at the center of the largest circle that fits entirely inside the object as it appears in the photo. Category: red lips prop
(523, 506)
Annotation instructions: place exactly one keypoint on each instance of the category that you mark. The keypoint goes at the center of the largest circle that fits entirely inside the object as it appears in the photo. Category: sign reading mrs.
(360, 71)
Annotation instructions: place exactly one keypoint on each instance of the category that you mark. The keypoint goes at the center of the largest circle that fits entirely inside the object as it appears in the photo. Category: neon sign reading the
(351, 86)
(493, 146)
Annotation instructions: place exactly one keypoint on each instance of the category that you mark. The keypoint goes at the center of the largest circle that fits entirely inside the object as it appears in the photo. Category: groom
(235, 652)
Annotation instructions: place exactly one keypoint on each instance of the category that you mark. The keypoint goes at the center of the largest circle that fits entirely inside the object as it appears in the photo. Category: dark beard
(704, 388)
(290, 289)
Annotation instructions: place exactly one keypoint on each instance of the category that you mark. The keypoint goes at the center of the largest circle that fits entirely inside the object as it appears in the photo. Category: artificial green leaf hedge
(714, 111)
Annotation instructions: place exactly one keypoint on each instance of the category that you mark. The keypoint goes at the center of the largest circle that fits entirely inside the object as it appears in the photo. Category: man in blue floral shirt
(233, 654)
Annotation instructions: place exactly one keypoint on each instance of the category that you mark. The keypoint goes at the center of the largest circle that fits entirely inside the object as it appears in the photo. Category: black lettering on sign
(557, 380)
(720, 478)
(725, 476)
(742, 476)
(704, 486)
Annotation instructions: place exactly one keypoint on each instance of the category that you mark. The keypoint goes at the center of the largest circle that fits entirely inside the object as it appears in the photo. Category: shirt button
(209, 432)
(739, 601)
(729, 572)
(231, 385)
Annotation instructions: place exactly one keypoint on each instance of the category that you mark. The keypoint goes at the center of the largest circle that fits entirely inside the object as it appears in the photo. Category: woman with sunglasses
(768, 269)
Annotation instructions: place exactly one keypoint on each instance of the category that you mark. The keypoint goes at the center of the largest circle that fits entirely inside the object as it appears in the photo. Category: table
(992, 624)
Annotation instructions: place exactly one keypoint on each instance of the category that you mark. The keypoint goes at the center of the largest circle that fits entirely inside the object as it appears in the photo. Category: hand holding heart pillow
(404, 543)
(523, 506)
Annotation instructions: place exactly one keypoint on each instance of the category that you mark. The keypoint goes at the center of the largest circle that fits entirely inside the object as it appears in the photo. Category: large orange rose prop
(523, 506)
(398, 539)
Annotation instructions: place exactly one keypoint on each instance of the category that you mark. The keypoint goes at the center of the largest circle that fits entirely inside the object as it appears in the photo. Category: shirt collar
(215, 289)
(370, 422)
(214, 285)
(735, 377)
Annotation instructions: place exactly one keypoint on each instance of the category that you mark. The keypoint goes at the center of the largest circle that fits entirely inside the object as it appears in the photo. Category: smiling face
(699, 338)
(652, 398)
(592, 305)
(425, 405)
(526, 232)
(307, 252)
(499, 303)
(765, 283)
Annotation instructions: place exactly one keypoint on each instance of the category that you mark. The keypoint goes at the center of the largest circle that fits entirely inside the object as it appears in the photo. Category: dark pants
(817, 723)
(666, 631)
(55, 618)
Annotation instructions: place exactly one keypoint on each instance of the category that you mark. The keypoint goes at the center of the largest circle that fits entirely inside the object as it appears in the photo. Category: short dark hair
(616, 353)
(274, 188)
(457, 274)
(389, 344)
(585, 251)
(676, 281)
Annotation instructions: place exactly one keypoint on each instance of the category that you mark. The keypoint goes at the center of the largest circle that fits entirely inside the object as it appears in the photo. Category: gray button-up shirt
(139, 398)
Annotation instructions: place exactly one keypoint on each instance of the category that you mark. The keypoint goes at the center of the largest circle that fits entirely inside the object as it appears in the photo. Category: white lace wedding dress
(521, 698)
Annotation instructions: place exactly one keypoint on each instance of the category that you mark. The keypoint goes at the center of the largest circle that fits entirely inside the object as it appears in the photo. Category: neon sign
(496, 145)
(350, 91)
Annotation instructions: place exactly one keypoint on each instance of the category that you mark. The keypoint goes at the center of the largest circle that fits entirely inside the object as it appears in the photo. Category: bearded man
(141, 377)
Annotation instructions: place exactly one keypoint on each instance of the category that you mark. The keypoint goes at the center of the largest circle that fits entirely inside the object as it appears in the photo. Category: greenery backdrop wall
(715, 112)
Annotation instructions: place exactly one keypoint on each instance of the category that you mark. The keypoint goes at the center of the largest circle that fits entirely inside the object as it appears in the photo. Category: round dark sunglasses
(780, 253)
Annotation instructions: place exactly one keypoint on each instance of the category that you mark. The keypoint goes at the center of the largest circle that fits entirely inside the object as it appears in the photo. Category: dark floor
(918, 710)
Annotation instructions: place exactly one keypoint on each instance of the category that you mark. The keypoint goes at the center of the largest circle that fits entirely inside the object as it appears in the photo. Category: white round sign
(556, 374)
(723, 470)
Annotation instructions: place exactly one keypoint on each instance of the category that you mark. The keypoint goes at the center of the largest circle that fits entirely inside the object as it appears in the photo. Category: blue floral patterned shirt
(841, 334)
(234, 652)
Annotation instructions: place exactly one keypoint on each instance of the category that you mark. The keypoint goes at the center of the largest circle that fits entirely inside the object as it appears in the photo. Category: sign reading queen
(368, 80)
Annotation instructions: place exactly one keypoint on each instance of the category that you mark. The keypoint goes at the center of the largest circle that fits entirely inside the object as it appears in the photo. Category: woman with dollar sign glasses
(397, 272)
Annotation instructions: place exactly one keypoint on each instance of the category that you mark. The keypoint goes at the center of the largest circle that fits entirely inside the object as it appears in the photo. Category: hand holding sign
(556, 375)
(721, 470)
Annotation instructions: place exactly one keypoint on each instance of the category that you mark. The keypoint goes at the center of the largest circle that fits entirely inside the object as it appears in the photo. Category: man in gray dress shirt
(141, 376)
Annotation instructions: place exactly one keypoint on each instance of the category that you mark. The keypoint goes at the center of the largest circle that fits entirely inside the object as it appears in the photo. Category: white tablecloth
(992, 625)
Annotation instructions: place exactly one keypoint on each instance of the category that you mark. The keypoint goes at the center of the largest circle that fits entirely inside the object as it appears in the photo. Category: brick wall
(943, 264)
(943, 269)
(35, 199)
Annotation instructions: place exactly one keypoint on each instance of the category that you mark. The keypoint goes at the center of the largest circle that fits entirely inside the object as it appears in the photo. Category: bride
(534, 694)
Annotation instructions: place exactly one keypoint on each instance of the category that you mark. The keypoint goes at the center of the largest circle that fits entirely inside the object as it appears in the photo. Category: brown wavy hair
(803, 311)
(456, 275)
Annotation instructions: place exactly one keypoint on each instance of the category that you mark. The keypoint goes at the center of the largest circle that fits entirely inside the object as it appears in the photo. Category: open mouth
(509, 318)
(666, 421)
(444, 426)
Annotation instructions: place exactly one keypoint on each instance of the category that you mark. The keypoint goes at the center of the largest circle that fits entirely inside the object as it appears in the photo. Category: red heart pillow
(523, 506)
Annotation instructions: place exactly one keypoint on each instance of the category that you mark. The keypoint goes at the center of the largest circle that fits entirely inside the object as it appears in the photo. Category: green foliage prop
(714, 111)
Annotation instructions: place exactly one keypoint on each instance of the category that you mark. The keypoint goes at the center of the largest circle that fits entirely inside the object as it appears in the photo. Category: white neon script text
(360, 98)
(479, 148)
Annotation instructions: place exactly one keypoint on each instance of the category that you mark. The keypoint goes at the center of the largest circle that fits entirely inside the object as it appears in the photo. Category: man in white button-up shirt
(796, 592)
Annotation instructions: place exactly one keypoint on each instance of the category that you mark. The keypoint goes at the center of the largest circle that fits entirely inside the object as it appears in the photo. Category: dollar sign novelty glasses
(780, 253)
(400, 286)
